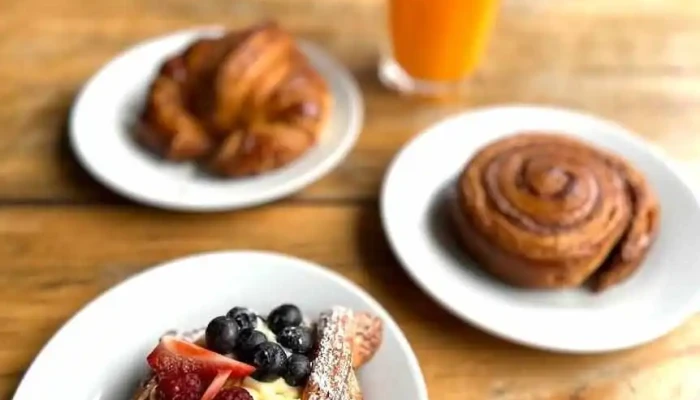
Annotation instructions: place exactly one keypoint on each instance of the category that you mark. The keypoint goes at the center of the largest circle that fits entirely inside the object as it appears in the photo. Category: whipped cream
(262, 328)
(275, 390)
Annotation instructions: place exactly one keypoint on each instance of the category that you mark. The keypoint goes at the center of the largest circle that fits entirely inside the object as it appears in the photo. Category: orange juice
(439, 40)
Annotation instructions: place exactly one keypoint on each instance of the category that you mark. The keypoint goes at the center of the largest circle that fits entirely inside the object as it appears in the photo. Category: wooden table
(64, 239)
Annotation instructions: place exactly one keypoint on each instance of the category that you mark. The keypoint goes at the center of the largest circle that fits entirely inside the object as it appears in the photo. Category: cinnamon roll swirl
(541, 210)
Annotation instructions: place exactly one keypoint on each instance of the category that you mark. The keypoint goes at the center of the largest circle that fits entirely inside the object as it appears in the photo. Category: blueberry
(244, 317)
(248, 340)
(269, 360)
(284, 316)
(296, 370)
(298, 339)
(221, 335)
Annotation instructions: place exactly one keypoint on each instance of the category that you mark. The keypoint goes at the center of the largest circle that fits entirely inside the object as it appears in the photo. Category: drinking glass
(434, 46)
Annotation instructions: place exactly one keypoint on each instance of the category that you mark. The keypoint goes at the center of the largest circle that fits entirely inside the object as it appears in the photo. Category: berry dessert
(245, 356)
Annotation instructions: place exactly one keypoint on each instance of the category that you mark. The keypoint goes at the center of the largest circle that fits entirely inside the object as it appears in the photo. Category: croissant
(243, 104)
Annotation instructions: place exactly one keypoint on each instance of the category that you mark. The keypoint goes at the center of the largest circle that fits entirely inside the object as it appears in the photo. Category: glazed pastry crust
(243, 104)
(542, 210)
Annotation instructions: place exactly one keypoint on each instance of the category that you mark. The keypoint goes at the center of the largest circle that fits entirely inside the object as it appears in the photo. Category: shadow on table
(70, 169)
(402, 293)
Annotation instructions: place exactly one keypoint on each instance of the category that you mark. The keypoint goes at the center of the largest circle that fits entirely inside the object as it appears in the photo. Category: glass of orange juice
(435, 45)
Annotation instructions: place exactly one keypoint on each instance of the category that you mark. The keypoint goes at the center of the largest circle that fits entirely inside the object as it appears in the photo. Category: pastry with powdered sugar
(282, 356)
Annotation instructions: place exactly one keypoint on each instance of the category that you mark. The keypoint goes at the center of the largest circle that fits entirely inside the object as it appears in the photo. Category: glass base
(394, 77)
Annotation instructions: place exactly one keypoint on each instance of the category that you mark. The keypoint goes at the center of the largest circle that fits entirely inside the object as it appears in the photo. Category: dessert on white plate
(243, 356)
(107, 343)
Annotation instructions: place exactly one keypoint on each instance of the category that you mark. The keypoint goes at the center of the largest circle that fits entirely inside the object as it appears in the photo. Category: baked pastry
(332, 374)
(242, 357)
(541, 210)
(242, 104)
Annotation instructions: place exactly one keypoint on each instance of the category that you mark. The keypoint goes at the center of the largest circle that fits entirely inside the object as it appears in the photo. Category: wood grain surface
(64, 239)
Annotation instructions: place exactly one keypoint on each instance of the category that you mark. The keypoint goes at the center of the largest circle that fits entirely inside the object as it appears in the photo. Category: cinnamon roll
(541, 210)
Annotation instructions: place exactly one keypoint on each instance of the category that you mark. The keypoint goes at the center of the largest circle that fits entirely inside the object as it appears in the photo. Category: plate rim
(334, 158)
(682, 316)
(188, 261)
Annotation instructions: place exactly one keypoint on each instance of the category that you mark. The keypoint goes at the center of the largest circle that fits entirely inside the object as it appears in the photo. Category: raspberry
(183, 387)
(235, 393)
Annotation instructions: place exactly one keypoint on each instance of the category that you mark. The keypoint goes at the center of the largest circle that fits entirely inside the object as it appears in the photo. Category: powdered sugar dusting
(332, 363)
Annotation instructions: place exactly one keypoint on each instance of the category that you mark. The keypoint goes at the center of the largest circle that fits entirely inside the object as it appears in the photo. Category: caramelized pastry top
(242, 104)
(551, 200)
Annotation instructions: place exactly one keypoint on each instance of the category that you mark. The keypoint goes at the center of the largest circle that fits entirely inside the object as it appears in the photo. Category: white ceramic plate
(106, 109)
(659, 297)
(106, 343)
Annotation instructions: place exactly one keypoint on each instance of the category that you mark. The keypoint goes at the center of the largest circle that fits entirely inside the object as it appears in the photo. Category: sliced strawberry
(173, 356)
(216, 385)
